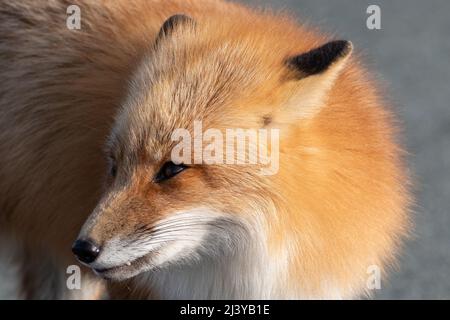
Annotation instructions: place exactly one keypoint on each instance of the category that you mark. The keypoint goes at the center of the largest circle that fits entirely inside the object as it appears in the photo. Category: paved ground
(411, 53)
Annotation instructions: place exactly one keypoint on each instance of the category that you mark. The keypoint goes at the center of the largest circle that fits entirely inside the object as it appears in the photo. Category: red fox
(86, 119)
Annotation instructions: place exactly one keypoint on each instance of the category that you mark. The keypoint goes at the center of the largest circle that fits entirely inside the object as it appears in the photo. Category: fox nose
(86, 251)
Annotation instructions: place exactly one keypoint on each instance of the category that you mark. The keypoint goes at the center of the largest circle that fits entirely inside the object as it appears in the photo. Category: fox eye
(169, 170)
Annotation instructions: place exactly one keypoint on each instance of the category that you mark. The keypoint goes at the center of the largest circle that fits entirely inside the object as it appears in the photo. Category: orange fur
(338, 204)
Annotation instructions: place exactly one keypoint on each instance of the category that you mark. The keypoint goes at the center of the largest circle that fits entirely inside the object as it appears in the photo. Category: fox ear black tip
(174, 22)
(347, 47)
(320, 59)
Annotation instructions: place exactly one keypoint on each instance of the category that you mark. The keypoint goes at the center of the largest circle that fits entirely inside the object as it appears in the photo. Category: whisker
(181, 227)
(180, 221)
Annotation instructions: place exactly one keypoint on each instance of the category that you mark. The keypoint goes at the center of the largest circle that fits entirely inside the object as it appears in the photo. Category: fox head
(156, 211)
(159, 212)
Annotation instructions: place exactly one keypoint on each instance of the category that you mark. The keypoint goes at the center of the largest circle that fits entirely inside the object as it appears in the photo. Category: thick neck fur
(244, 271)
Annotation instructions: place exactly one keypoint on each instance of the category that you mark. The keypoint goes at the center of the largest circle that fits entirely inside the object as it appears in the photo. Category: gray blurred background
(411, 54)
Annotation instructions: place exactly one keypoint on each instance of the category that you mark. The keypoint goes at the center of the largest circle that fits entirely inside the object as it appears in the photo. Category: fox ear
(316, 71)
(172, 24)
(320, 60)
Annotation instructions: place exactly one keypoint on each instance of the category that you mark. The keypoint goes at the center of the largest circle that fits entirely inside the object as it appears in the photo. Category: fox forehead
(176, 85)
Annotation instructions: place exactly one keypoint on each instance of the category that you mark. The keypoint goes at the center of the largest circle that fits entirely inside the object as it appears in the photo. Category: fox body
(86, 118)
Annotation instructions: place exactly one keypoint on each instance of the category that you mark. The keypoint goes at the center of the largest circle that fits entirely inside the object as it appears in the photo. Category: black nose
(86, 251)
